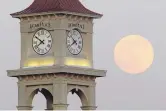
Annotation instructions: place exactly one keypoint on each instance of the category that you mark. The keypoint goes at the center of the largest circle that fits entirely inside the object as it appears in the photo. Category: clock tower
(56, 54)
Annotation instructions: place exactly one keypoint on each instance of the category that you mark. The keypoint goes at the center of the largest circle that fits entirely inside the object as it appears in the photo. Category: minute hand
(42, 42)
(75, 42)
(72, 44)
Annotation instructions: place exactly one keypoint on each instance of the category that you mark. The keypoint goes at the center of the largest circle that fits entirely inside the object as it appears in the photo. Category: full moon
(133, 54)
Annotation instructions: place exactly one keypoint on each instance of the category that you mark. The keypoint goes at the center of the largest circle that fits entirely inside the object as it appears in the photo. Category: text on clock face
(42, 41)
(74, 42)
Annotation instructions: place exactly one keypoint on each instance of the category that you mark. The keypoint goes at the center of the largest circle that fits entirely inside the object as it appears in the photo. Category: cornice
(56, 69)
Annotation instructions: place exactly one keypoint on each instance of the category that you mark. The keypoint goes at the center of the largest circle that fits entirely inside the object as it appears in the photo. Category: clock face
(74, 42)
(42, 41)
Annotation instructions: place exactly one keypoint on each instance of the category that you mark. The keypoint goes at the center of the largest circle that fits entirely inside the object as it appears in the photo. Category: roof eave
(95, 16)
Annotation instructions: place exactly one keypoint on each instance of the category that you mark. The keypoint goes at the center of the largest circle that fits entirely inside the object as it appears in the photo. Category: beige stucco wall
(59, 54)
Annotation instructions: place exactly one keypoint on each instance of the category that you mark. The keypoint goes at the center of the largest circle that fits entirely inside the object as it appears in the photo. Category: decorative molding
(41, 77)
(49, 78)
(64, 12)
(69, 16)
(34, 77)
(56, 69)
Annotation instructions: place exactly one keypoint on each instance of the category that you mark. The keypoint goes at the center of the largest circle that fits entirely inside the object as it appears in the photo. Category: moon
(133, 54)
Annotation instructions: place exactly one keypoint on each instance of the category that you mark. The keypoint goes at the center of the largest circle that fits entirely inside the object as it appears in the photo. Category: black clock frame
(33, 37)
(81, 38)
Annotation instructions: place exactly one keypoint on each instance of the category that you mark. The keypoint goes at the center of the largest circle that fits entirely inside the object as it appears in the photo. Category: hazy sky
(118, 90)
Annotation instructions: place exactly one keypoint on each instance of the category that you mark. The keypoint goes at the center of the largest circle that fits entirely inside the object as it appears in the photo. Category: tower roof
(57, 6)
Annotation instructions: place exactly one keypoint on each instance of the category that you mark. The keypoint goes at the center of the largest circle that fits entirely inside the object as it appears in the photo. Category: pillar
(22, 98)
(91, 93)
(60, 95)
(60, 106)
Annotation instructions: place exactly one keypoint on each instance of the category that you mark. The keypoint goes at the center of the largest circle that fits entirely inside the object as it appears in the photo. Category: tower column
(91, 99)
(60, 95)
(60, 106)
(22, 103)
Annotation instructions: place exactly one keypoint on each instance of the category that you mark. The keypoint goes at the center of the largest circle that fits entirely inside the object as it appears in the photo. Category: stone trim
(21, 108)
(61, 12)
(56, 69)
(60, 106)
(88, 107)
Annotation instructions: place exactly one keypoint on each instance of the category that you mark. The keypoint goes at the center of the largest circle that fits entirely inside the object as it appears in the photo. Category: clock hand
(37, 38)
(39, 44)
(71, 37)
(75, 42)
(41, 41)
(72, 44)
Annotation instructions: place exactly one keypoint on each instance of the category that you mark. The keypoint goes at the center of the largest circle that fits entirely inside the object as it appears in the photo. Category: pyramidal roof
(57, 6)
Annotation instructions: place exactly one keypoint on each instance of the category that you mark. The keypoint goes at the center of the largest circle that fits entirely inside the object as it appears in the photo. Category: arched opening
(41, 99)
(39, 102)
(76, 99)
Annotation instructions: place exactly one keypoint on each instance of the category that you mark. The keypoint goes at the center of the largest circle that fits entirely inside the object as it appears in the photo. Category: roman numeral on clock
(74, 42)
(42, 42)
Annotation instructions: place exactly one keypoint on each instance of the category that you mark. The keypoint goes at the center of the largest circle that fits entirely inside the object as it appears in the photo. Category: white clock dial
(42, 41)
(74, 42)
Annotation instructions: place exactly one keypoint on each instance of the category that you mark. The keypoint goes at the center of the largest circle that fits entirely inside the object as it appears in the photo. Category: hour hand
(72, 44)
(41, 41)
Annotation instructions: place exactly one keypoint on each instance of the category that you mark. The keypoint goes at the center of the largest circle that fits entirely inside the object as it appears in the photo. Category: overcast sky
(118, 90)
